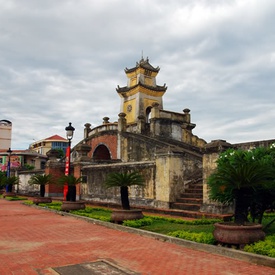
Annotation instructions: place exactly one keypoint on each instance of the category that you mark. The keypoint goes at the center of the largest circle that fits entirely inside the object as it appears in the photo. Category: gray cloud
(61, 61)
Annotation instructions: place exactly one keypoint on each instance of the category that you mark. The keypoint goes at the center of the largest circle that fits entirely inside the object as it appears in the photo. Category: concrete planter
(72, 205)
(41, 200)
(9, 194)
(118, 216)
(230, 233)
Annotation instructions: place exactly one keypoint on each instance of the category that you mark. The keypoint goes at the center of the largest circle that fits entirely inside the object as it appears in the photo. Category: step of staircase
(186, 206)
(190, 200)
(187, 214)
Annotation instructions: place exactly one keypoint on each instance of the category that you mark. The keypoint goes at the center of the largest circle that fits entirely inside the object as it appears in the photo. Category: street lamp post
(68, 190)
(8, 187)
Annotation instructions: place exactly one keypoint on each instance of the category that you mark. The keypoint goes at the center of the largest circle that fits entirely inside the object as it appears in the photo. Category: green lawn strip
(94, 213)
(16, 198)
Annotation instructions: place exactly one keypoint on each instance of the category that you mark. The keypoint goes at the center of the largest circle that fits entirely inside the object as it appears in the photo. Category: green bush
(94, 213)
(266, 247)
(195, 237)
(138, 223)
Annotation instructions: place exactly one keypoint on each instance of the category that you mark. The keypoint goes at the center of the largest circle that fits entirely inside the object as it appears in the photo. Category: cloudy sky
(61, 61)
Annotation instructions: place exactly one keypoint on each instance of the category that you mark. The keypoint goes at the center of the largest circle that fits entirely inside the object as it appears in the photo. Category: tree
(124, 180)
(10, 181)
(71, 181)
(246, 178)
(2, 179)
(41, 180)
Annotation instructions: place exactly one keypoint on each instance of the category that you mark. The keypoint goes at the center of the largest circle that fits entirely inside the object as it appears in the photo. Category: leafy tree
(41, 180)
(124, 180)
(246, 178)
(29, 166)
(61, 153)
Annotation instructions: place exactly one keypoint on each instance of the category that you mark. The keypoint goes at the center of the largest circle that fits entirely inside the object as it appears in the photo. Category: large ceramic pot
(230, 233)
(118, 216)
(72, 205)
(38, 200)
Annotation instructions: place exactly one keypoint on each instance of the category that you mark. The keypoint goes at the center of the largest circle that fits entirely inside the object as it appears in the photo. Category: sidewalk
(35, 241)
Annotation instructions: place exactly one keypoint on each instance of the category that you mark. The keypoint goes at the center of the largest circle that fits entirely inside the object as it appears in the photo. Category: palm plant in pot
(245, 178)
(10, 182)
(42, 181)
(71, 203)
(124, 180)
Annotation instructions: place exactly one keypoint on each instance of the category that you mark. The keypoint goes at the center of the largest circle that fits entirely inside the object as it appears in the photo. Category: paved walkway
(35, 241)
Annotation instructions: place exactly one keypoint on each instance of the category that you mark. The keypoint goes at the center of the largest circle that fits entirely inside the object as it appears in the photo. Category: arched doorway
(101, 153)
(148, 114)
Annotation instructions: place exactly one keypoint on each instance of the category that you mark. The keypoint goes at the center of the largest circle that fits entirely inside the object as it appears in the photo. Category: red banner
(67, 171)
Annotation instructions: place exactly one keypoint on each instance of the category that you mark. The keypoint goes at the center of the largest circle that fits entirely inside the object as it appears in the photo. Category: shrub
(202, 237)
(138, 223)
(266, 247)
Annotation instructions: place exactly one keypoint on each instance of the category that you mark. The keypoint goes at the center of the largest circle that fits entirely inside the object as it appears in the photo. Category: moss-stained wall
(173, 174)
(212, 152)
(95, 190)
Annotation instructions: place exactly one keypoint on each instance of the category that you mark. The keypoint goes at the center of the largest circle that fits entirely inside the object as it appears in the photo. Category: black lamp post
(71, 189)
(70, 133)
(8, 186)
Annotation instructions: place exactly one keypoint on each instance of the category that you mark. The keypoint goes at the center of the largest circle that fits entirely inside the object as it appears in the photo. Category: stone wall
(24, 187)
(94, 189)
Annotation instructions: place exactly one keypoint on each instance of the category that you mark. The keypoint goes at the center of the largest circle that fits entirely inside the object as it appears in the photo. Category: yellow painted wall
(130, 114)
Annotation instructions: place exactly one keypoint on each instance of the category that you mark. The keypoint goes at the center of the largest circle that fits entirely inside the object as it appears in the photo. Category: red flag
(67, 170)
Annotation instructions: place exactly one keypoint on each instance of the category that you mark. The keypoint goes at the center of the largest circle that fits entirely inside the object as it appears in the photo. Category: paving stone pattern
(35, 241)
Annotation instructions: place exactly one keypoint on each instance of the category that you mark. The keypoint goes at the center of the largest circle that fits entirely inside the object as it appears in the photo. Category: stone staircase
(191, 199)
(190, 202)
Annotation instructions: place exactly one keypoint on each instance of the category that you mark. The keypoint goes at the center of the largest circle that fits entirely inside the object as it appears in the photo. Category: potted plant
(9, 182)
(71, 203)
(123, 181)
(42, 181)
(247, 179)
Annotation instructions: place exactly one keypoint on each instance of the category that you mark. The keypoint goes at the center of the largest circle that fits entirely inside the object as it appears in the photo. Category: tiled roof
(55, 137)
(143, 64)
(157, 88)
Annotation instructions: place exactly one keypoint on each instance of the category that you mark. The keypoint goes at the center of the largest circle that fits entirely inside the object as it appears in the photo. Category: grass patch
(16, 198)
(94, 213)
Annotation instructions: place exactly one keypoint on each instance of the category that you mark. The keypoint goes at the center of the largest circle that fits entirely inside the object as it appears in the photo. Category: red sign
(67, 170)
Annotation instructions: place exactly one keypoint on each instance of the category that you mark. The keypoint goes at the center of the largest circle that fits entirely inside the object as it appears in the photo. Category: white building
(5, 134)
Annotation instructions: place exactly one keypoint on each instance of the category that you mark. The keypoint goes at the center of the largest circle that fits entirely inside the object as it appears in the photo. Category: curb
(223, 251)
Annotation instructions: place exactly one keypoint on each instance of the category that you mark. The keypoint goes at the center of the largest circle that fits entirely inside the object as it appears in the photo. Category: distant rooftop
(55, 137)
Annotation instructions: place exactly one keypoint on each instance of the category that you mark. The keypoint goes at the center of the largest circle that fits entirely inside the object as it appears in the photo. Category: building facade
(5, 134)
(146, 138)
(45, 145)
(157, 143)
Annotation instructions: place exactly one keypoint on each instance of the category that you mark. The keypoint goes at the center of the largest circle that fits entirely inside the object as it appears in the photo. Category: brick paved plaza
(36, 241)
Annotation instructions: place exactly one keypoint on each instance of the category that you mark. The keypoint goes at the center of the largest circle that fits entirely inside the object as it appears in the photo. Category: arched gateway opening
(101, 153)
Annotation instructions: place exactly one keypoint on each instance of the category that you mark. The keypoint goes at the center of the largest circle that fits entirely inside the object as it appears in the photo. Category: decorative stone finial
(186, 111)
(106, 120)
